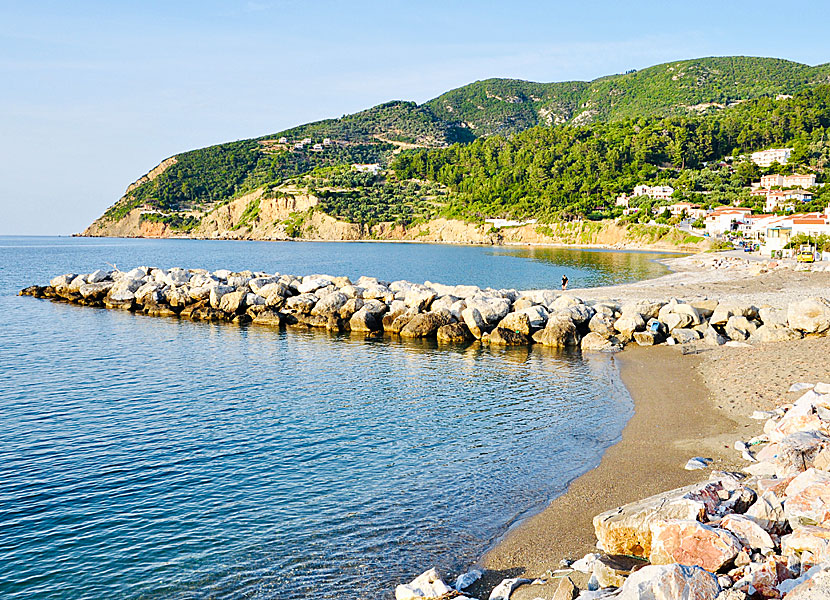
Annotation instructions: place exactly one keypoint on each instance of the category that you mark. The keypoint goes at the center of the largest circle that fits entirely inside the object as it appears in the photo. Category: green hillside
(203, 178)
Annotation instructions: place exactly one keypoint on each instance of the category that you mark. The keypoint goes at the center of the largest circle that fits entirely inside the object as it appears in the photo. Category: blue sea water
(149, 457)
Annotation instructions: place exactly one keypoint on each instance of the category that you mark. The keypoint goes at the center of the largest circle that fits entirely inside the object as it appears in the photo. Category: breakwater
(460, 313)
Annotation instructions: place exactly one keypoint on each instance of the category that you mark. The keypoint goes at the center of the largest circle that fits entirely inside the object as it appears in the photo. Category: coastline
(685, 405)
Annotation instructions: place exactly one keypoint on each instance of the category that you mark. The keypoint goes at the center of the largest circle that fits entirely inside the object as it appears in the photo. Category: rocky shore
(760, 531)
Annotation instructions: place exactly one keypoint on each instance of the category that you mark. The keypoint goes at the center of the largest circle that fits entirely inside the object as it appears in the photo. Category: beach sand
(685, 405)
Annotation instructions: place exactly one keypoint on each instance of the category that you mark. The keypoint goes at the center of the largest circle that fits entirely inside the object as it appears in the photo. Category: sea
(147, 457)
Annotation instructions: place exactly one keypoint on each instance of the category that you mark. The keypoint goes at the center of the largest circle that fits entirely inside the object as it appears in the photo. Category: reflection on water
(604, 267)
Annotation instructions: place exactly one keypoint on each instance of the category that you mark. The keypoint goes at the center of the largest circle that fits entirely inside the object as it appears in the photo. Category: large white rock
(807, 499)
(98, 276)
(311, 283)
(670, 582)
(689, 542)
(425, 585)
(475, 322)
(811, 315)
(537, 315)
(491, 309)
(216, 293)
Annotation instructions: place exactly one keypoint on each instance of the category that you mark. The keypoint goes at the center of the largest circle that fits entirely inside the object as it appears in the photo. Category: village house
(692, 211)
(373, 168)
(725, 218)
(788, 181)
(283, 140)
(327, 141)
(622, 200)
(780, 230)
(783, 199)
(317, 148)
(765, 158)
(657, 192)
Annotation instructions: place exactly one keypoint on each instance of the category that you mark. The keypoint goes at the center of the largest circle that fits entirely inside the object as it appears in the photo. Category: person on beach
(564, 282)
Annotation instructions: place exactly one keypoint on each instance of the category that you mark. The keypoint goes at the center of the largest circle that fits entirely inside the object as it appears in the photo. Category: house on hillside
(787, 181)
(786, 199)
(657, 192)
(781, 230)
(373, 168)
(765, 158)
(725, 218)
(317, 148)
(692, 211)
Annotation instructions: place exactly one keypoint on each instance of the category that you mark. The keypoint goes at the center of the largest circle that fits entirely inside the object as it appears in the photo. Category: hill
(314, 159)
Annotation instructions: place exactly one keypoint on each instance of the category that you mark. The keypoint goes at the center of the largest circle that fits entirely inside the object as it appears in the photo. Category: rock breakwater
(450, 313)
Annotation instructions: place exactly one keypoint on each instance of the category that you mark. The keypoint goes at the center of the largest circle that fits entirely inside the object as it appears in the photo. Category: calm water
(151, 458)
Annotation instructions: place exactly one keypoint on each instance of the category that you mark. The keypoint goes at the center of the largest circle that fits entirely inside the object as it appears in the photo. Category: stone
(704, 308)
(627, 324)
(774, 333)
(467, 579)
(627, 529)
(453, 333)
(503, 590)
(268, 317)
(768, 512)
(62, 280)
(331, 304)
(475, 322)
(564, 301)
(425, 324)
(602, 324)
(807, 499)
(689, 542)
(611, 571)
(119, 297)
(811, 315)
(96, 291)
(713, 337)
(233, 302)
(177, 297)
(748, 532)
(817, 587)
(536, 315)
(425, 585)
(517, 322)
(799, 451)
(560, 332)
(507, 337)
(670, 582)
(566, 590)
(807, 538)
(302, 304)
(697, 463)
(365, 320)
(686, 312)
(579, 313)
(646, 338)
(419, 298)
(216, 293)
(311, 283)
(739, 328)
(491, 309)
(676, 321)
(645, 308)
(773, 316)
(98, 276)
(684, 336)
(594, 342)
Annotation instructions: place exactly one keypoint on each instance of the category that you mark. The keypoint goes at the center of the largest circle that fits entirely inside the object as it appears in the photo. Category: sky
(95, 94)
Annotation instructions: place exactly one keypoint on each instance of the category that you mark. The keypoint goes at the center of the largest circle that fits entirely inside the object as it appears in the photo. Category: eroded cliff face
(296, 216)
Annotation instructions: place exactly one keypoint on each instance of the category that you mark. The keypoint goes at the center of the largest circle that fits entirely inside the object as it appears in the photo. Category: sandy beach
(686, 404)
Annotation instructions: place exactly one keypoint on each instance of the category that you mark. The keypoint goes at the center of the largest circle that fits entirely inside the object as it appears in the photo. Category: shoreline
(648, 459)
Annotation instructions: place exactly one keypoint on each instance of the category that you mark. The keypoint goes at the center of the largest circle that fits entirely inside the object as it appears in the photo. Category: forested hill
(505, 106)
(196, 181)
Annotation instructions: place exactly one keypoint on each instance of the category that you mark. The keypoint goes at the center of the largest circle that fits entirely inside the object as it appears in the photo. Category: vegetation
(821, 243)
(568, 172)
(176, 221)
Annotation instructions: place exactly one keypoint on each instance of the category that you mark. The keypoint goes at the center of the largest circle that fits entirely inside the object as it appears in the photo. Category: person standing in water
(564, 282)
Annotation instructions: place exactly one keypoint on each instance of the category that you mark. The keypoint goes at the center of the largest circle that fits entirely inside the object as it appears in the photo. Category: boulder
(425, 585)
(684, 336)
(773, 316)
(811, 315)
(62, 281)
(419, 298)
(611, 571)
(670, 582)
(98, 276)
(311, 283)
(816, 587)
(646, 338)
(704, 308)
(676, 320)
(748, 532)
(216, 293)
(689, 542)
(233, 302)
(302, 304)
(516, 321)
(492, 309)
(425, 324)
(350, 307)
(645, 308)
(739, 328)
(268, 317)
(774, 333)
(453, 333)
(178, 297)
(475, 321)
(364, 320)
(507, 337)
(768, 512)
(566, 590)
(713, 337)
(119, 297)
(628, 323)
(578, 313)
(537, 316)
(503, 590)
(560, 332)
(627, 529)
(603, 324)
(808, 499)
(807, 538)
(258, 283)
(97, 290)
(800, 450)
(594, 342)
(330, 305)
(564, 301)
(686, 312)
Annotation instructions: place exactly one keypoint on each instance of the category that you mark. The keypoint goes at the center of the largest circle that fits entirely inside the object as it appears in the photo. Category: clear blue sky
(94, 94)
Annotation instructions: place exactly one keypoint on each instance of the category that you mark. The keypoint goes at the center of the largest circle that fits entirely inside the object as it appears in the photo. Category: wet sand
(674, 420)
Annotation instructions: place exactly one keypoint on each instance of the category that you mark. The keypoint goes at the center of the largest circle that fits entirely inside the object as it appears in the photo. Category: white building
(781, 230)
(788, 181)
(764, 158)
(373, 168)
(658, 192)
(725, 218)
